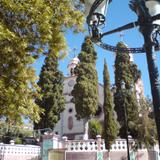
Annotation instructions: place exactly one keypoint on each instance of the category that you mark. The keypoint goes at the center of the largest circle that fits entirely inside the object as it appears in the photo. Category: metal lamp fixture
(154, 9)
(95, 11)
(98, 12)
(147, 10)
(123, 85)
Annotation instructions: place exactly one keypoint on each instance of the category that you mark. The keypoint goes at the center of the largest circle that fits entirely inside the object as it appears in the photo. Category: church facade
(68, 124)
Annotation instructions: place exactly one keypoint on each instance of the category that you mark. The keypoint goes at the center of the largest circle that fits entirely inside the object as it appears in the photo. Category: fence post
(64, 141)
(99, 152)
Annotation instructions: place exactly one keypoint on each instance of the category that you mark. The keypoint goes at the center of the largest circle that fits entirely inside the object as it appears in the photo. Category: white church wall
(68, 123)
(19, 152)
(100, 94)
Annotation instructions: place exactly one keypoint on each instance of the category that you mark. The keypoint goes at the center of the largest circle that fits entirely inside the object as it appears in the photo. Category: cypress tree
(52, 101)
(125, 99)
(85, 92)
(110, 123)
(146, 124)
(136, 73)
(147, 127)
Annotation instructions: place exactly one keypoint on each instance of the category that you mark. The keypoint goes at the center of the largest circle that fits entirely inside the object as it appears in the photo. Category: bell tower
(72, 65)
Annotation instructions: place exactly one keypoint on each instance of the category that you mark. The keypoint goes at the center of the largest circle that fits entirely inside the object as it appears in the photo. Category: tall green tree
(125, 98)
(85, 92)
(111, 127)
(52, 101)
(147, 129)
(26, 29)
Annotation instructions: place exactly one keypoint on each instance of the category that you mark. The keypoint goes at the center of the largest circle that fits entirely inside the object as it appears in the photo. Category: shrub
(95, 128)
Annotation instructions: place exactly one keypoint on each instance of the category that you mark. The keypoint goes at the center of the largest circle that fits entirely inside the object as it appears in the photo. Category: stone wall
(90, 149)
(81, 156)
(19, 152)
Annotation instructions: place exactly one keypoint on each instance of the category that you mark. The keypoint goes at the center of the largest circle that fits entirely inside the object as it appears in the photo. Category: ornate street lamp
(154, 9)
(148, 12)
(122, 93)
(149, 26)
(150, 31)
(131, 90)
(126, 121)
(99, 13)
(95, 12)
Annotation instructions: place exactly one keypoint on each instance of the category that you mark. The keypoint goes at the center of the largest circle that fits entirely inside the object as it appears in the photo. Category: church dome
(72, 64)
(75, 60)
(130, 54)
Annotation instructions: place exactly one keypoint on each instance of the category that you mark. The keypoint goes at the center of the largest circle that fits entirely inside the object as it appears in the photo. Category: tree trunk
(86, 128)
(108, 158)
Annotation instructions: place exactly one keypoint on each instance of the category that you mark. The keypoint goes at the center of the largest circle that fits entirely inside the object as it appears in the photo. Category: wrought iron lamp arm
(129, 26)
(93, 8)
(125, 27)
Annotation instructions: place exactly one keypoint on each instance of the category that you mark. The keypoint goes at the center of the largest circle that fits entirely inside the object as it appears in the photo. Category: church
(68, 125)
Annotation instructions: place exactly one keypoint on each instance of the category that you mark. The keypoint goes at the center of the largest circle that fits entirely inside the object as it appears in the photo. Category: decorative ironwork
(155, 34)
(97, 36)
(115, 49)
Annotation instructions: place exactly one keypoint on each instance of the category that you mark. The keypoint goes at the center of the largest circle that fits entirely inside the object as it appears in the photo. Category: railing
(87, 145)
(96, 145)
(8, 149)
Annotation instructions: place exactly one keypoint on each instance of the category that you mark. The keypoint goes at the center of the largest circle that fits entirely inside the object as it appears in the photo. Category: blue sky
(118, 14)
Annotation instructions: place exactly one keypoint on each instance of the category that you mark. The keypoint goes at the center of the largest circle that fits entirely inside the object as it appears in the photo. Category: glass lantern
(99, 13)
(154, 9)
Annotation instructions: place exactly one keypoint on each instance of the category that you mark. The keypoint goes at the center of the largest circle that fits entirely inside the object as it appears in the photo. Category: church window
(56, 132)
(70, 110)
(70, 123)
(71, 83)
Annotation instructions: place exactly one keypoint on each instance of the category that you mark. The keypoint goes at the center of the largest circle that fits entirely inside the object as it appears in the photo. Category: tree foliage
(95, 128)
(9, 132)
(52, 101)
(125, 99)
(136, 73)
(26, 29)
(111, 127)
(85, 92)
(147, 128)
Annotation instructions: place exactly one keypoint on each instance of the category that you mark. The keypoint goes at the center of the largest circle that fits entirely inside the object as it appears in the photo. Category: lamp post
(148, 12)
(145, 10)
(126, 117)
(122, 95)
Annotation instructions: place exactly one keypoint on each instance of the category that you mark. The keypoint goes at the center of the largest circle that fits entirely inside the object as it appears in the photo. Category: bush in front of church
(95, 128)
